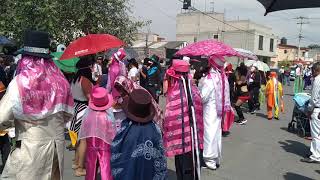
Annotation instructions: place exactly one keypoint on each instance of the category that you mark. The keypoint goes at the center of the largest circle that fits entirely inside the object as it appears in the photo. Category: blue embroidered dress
(137, 153)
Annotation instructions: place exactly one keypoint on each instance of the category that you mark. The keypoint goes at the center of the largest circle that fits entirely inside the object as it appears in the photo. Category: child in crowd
(98, 128)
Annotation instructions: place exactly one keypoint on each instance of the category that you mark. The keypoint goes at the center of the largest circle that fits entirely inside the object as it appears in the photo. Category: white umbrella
(246, 54)
(259, 64)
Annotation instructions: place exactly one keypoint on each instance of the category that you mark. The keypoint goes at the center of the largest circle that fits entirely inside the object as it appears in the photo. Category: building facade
(289, 53)
(245, 34)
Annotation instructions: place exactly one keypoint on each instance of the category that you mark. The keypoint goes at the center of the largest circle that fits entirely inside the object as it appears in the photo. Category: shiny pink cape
(43, 89)
(98, 124)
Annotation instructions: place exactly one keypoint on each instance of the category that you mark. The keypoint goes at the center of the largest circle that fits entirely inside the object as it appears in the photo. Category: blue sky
(163, 14)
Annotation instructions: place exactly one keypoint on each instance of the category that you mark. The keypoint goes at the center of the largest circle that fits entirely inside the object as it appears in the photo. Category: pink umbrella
(208, 48)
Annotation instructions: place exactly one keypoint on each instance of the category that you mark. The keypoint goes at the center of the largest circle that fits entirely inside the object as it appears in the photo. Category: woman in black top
(242, 95)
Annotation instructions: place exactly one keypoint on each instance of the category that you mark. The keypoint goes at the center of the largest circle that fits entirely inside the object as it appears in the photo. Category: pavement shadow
(317, 171)
(171, 175)
(294, 176)
(262, 115)
(289, 95)
(286, 129)
(295, 147)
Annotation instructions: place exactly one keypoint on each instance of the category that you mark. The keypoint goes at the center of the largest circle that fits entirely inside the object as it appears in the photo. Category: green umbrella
(68, 65)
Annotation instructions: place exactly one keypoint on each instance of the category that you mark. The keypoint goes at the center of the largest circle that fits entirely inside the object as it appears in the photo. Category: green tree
(66, 20)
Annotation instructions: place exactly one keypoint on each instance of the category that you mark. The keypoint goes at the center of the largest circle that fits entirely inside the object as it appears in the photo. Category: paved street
(261, 150)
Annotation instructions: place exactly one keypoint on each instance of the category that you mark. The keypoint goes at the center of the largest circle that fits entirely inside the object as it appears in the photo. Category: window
(303, 54)
(271, 45)
(260, 42)
(215, 36)
(285, 51)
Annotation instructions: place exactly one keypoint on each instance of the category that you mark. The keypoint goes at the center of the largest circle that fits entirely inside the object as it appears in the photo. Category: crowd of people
(110, 109)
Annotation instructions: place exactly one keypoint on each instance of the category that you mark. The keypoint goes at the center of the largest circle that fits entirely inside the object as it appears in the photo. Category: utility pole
(146, 51)
(212, 6)
(301, 23)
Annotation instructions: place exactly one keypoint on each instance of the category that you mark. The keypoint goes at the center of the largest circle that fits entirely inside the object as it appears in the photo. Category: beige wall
(196, 25)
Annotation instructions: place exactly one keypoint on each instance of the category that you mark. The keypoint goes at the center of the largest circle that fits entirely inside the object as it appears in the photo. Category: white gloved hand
(250, 80)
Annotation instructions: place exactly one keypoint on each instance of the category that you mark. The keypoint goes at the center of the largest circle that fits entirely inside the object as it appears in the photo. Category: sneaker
(309, 160)
(243, 122)
(211, 166)
(252, 112)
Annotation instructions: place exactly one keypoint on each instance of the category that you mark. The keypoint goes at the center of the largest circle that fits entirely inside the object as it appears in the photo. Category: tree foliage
(314, 46)
(66, 20)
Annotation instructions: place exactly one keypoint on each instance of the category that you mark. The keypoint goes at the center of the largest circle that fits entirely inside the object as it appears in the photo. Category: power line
(161, 10)
(207, 14)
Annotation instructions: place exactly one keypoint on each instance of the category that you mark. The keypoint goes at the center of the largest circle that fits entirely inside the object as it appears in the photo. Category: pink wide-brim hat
(180, 65)
(120, 54)
(100, 99)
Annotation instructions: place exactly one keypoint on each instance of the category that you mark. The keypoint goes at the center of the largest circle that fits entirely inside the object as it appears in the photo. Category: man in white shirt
(133, 72)
(314, 107)
(97, 69)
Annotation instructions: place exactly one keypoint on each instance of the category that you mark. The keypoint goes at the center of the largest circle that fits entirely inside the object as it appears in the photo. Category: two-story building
(245, 34)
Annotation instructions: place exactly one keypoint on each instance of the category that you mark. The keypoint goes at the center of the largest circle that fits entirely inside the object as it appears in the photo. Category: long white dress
(41, 154)
(212, 122)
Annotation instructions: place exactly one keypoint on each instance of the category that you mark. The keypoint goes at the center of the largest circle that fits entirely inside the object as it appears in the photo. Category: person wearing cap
(274, 96)
(153, 77)
(183, 122)
(40, 102)
(214, 88)
(137, 150)
(144, 72)
(98, 130)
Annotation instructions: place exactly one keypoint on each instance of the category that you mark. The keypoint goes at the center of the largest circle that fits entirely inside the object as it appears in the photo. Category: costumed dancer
(183, 124)
(137, 150)
(98, 130)
(298, 82)
(40, 102)
(214, 88)
(274, 95)
(116, 68)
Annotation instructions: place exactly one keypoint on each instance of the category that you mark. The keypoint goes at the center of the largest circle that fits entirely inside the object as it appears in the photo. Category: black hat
(138, 106)
(36, 43)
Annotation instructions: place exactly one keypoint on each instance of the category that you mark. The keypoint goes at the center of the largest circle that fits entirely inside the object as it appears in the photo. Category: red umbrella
(91, 44)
